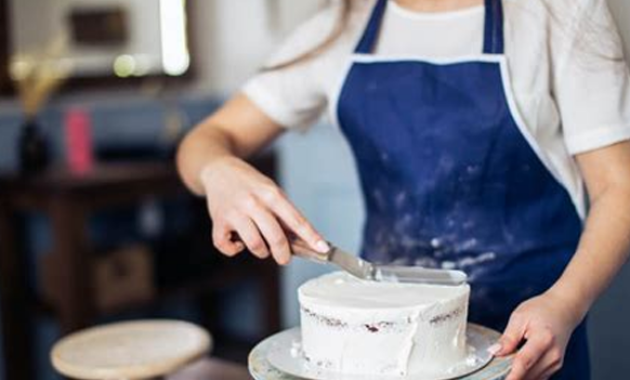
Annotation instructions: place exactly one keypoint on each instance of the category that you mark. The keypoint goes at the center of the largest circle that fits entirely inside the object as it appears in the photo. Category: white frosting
(365, 327)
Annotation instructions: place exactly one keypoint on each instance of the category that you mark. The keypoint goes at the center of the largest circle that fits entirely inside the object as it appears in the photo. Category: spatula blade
(351, 264)
(419, 275)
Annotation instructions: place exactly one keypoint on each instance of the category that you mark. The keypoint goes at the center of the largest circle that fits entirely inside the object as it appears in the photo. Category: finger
(547, 366)
(297, 223)
(512, 336)
(545, 375)
(273, 234)
(536, 372)
(221, 238)
(250, 235)
(549, 373)
(528, 357)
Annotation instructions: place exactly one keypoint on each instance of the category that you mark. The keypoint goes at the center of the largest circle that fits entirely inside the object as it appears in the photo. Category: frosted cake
(360, 327)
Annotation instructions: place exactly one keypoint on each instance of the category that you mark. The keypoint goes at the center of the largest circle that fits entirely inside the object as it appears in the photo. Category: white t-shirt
(565, 58)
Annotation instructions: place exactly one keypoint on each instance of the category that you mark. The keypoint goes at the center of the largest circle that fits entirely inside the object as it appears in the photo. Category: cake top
(344, 290)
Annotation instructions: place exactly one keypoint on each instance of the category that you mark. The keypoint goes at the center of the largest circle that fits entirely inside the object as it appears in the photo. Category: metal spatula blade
(344, 260)
(352, 264)
(374, 272)
(419, 275)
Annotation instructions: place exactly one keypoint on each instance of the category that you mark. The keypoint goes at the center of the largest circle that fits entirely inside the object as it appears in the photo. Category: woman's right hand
(249, 210)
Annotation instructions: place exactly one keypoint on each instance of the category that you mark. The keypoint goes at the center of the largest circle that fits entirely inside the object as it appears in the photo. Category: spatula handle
(299, 248)
(303, 250)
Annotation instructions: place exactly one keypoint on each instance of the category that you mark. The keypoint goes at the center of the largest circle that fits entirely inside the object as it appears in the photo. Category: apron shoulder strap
(370, 35)
(493, 29)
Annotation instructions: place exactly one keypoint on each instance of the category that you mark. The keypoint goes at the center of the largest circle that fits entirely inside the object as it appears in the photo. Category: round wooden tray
(261, 369)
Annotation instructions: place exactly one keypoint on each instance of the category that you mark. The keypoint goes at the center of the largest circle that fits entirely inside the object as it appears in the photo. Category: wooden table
(212, 369)
(68, 200)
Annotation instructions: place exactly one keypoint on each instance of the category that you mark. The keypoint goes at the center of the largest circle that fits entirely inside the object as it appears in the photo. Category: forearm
(603, 250)
(238, 129)
(199, 149)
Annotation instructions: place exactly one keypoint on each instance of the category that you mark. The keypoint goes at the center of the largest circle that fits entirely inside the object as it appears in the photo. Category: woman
(478, 131)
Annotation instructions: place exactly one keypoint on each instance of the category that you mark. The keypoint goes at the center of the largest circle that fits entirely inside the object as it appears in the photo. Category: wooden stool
(130, 350)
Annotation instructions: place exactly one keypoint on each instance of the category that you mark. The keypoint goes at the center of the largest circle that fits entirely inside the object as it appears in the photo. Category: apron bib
(452, 178)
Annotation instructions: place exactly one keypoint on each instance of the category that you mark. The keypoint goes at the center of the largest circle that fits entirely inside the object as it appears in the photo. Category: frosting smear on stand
(363, 327)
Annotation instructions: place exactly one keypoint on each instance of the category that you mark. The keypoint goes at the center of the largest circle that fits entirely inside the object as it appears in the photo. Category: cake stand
(261, 368)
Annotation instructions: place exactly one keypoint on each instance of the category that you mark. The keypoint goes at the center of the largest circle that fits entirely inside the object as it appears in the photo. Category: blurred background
(94, 224)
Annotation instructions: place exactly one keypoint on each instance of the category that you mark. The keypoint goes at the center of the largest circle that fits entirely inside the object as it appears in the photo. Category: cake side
(361, 327)
(440, 338)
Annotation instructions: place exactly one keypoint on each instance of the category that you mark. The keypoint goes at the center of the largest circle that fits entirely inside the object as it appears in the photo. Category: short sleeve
(591, 80)
(295, 96)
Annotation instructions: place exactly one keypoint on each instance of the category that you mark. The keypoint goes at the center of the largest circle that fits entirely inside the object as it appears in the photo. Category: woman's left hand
(544, 324)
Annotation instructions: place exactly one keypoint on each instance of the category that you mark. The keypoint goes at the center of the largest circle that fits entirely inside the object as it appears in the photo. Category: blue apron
(452, 179)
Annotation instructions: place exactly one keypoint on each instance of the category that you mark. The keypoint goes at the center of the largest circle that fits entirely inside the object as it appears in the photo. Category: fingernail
(322, 246)
(284, 262)
(494, 349)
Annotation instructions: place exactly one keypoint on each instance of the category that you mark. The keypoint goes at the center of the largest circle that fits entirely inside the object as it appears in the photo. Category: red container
(78, 138)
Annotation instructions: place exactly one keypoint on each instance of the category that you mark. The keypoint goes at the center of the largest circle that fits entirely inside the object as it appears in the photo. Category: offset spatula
(375, 272)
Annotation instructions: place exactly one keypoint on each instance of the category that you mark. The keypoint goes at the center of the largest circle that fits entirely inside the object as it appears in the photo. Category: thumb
(512, 336)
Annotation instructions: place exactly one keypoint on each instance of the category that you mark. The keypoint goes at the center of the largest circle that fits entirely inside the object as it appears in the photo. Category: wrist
(575, 302)
(209, 169)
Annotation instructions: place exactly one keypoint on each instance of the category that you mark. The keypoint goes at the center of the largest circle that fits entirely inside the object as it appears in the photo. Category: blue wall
(117, 119)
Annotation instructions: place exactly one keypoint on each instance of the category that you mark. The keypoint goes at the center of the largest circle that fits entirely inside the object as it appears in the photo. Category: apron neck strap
(493, 29)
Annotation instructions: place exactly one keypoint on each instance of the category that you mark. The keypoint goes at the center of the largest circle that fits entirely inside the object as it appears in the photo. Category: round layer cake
(364, 327)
